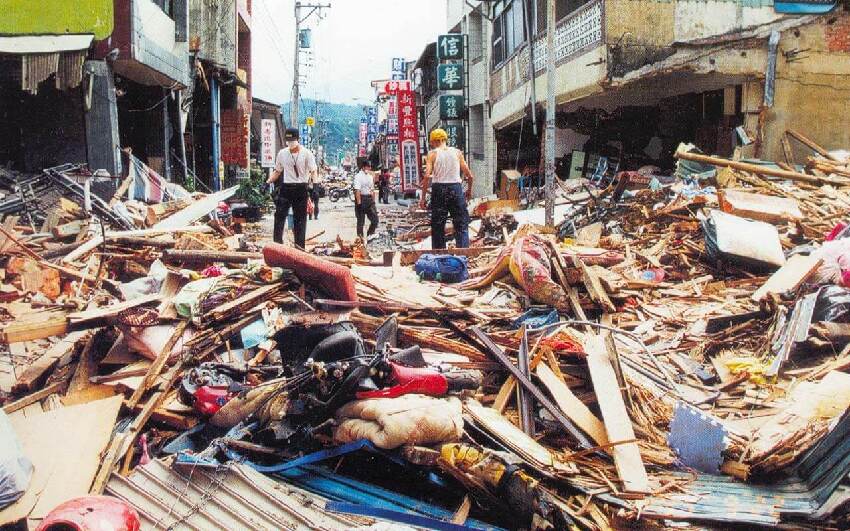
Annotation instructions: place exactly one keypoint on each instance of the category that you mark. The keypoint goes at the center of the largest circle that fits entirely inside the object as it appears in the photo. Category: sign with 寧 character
(456, 136)
(450, 76)
(452, 107)
(450, 47)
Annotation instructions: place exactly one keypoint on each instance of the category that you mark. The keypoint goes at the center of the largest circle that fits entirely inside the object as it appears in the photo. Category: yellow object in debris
(752, 366)
(473, 461)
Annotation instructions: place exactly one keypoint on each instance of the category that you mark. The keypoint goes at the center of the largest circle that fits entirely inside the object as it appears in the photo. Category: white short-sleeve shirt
(296, 167)
(364, 183)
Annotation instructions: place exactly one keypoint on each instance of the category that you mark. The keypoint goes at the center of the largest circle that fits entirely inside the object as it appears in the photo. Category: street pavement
(335, 219)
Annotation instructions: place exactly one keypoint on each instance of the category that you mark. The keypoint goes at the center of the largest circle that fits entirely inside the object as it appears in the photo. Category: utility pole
(296, 80)
(550, 113)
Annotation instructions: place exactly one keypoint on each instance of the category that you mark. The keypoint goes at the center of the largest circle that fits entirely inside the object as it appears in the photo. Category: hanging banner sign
(268, 130)
(455, 135)
(450, 47)
(362, 138)
(408, 141)
(452, 107)
(450, 76)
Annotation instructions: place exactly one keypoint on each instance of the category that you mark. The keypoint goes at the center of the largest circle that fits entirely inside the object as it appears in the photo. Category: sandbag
(531, 268)
(15, 468)
(335, 280)
(392, 422)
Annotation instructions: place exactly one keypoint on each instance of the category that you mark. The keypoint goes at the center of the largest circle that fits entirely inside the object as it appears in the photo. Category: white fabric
(392, 422)
(287, 162)
(364, 183)
(446, 169)
(25, 44)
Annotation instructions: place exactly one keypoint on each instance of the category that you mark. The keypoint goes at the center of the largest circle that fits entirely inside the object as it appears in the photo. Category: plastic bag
(832, 305)
(15, 468)
(310, 207)
(836, 263)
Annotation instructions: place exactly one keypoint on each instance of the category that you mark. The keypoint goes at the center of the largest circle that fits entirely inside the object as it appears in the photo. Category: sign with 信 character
(267, 142)
(450, 76)
(452, 107)
(450, 47)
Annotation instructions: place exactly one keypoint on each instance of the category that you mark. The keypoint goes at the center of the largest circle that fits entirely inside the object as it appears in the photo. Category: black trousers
(448, 199)
(366, 209)
(291, 196)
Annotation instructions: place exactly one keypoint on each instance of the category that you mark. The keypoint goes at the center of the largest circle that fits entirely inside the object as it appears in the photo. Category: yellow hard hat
(438, 135)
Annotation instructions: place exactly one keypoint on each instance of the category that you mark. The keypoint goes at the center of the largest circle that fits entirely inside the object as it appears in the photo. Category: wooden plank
(761, 170)
(37, 369)
(111, 310)
(810, 144)
(594, 287)
(760, 207)
(45, 324)
(66, 230)
(618, 426)
(9, 225)
(158, 364)
(196, 210)
(241, 304)
(572, 406)
(788, 277)
(787, 152)
(34, 397)
(123, 441)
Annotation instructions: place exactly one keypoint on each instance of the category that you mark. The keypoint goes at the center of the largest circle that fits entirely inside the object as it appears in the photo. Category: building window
(508, 29)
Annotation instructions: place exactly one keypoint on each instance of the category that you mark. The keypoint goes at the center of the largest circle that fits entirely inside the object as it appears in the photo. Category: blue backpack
(442, 268)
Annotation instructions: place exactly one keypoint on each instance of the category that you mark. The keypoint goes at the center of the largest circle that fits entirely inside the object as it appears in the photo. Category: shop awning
(30, 44)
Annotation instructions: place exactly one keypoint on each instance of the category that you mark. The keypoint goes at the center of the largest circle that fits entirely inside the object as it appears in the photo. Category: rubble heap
(675, 351)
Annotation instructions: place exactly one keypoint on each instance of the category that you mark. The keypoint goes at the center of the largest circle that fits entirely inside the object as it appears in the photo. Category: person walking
(364, 199)
(443, 168)
(294, 167)
(315, 194)
(384, 186)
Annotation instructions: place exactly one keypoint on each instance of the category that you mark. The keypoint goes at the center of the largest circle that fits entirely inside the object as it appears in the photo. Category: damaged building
(96, 81)
(635, 78)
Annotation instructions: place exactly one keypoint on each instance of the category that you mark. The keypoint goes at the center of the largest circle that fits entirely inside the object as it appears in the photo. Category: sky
(353, 44)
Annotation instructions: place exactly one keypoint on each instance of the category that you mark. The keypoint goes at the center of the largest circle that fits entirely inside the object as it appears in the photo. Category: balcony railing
(574, 34)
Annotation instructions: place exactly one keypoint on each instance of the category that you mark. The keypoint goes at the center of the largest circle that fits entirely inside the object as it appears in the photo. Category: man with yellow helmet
(443, 168)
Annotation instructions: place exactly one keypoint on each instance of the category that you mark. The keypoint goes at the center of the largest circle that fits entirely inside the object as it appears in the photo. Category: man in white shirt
(297, 165)
(364, 199)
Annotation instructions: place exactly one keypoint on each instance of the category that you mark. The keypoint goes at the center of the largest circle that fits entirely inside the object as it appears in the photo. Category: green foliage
(254, 190)
(343, 121)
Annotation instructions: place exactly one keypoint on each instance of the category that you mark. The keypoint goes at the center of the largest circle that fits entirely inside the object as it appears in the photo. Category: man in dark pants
(364, 199)
(443, 168)
(297, 165)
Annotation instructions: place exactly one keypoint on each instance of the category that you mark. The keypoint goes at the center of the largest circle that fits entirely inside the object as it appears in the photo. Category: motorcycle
(342, 192)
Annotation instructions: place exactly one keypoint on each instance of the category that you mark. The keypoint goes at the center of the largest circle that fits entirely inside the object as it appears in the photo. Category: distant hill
(342, 122)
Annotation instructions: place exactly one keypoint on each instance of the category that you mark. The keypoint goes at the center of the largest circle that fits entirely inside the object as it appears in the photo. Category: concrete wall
(57, 17)
(217, 41)
(812, 93)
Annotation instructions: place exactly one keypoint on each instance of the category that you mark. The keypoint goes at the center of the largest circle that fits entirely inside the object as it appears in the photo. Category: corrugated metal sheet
(232, 497)
(809, 492)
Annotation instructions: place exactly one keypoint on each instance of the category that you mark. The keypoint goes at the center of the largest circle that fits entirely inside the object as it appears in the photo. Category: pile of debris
(675, 351)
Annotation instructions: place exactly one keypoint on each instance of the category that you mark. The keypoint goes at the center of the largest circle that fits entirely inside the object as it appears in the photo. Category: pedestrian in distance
(443, 168)
(364, 199)
(384, 186)
(295, 167)
(315, 195)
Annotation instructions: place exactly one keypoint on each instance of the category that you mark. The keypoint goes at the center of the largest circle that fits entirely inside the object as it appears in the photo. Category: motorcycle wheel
(333, 196)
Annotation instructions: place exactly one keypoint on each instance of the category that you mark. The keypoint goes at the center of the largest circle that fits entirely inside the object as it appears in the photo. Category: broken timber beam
(760, 170)
(524, 381)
